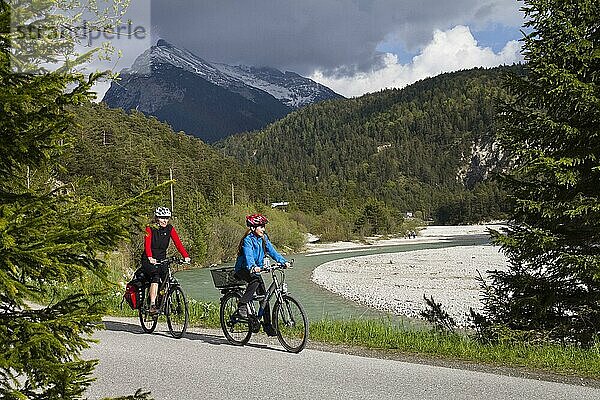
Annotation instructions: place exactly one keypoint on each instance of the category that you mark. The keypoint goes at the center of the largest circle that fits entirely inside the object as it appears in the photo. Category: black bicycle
(289, 318)
(171, 303)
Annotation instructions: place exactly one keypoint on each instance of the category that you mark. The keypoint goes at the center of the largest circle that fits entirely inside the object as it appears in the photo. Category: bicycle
(289, 318)
(171, 303)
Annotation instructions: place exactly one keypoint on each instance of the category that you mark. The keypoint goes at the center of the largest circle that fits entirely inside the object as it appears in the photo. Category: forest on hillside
(348, 168)
(115, 155)
(426, 149)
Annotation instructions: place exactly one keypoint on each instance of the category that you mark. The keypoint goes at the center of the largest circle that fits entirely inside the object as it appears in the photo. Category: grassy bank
(566, 360)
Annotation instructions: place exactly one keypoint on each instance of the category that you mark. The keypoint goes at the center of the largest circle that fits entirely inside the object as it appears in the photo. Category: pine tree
(552, 129)
(49, 234)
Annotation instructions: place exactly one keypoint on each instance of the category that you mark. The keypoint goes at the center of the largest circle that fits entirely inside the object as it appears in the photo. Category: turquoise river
(320, 303)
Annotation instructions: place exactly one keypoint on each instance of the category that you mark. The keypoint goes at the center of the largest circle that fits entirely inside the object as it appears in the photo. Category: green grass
(201, 314)
(381, 335)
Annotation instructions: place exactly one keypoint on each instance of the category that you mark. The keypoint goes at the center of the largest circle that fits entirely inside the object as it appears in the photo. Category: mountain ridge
(168, 82)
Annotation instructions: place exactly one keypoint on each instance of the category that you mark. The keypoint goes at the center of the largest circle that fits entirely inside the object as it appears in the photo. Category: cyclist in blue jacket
(252, 250)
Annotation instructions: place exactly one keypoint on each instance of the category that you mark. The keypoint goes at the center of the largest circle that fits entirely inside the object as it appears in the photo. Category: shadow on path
(122, 327)
(119, 326)
(210, 338)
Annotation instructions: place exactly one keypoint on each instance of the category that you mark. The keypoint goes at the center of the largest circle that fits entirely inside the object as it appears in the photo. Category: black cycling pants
(153, 273)
(255, 284)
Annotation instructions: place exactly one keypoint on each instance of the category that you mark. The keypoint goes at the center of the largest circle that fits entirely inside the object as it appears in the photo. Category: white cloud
(450, 50)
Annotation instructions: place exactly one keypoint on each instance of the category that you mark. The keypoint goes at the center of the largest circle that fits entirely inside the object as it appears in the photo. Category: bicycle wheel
(236, 331)
(291, 324)
(147, 321)
(177, 312)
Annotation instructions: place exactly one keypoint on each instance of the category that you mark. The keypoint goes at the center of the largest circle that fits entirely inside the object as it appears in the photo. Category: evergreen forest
(115, 155)
(427, 149)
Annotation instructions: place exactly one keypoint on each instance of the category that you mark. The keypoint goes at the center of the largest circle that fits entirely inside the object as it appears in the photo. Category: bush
(332, 226)
(285, 233)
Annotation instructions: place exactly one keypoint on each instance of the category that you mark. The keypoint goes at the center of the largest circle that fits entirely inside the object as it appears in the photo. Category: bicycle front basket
(224, 277)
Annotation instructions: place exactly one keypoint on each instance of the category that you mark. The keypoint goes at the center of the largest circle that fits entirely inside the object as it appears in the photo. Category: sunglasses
(167, 218)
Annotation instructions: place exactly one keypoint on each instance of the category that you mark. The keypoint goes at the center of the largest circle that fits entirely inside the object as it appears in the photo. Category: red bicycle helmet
(255, 220)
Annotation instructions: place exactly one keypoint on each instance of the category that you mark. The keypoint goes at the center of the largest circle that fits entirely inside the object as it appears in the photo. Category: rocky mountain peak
(167, 80)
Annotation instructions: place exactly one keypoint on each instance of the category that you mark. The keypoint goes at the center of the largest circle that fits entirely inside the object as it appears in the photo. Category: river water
(318, 302)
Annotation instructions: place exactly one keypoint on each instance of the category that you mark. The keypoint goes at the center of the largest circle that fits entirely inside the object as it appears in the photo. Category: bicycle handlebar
(277, 266)
(172, 260)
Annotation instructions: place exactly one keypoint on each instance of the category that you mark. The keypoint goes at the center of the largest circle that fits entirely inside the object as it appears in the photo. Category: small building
(280, 204)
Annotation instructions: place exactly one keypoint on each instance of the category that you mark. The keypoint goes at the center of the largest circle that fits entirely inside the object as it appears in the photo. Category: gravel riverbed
(397, 282)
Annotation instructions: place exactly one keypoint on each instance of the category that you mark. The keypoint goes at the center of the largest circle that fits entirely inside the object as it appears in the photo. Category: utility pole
(172, 197)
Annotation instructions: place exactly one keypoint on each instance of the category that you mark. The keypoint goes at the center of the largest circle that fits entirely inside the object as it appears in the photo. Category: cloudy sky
(352, 46)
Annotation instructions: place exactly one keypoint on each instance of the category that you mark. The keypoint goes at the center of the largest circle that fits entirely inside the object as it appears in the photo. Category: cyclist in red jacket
(156, 242)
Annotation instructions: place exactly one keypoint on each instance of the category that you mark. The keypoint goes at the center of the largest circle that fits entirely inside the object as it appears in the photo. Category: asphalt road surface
(202, 365)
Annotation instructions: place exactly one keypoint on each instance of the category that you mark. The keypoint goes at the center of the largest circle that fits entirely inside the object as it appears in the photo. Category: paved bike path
(202, 365)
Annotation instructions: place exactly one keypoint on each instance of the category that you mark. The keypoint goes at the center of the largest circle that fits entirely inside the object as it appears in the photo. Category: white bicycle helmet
(162, 212)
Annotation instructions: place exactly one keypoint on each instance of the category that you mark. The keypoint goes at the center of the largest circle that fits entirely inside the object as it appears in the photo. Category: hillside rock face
(209, 100)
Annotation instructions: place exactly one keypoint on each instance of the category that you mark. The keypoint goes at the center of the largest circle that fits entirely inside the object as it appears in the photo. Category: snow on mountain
(209, 100)
(165, 53)
(290, 88)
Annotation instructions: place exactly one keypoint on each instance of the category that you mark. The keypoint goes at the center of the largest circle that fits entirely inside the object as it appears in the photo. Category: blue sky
(497, 36)
(352, 46)
(494, 37)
